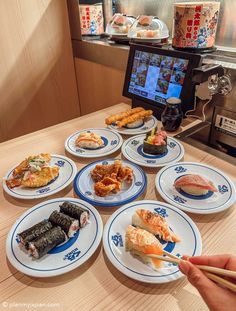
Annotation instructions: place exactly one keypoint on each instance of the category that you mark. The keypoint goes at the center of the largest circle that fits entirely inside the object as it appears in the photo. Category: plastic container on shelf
(119, 25)
(148, 27)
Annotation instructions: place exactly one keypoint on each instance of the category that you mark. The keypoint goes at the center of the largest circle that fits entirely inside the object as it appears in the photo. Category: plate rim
(20, 267)
(182, 152)
(34, 197)
(130, 205)
(226, 205)
(113, 204)
(94, 156)
(125, 132)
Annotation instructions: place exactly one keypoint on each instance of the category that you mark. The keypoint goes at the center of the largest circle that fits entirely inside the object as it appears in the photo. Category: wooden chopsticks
(208, 270)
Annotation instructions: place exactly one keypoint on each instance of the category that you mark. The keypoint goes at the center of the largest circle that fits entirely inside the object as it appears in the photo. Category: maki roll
(34, 232)
(47, 241)
(155, 142)
(68, 224)
(76, 212)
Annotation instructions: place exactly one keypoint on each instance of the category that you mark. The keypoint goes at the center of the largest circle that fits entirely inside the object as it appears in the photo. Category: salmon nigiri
(141, 242)
(195, 184)
(155, 224)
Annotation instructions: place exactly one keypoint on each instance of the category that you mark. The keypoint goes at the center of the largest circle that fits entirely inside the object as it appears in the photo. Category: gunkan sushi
(155, 224)
(155, 142)
(89, 140)
(76, 212)
(195, 184)
(33, 232)
(140, 243)
(68, 224)
(47, 241)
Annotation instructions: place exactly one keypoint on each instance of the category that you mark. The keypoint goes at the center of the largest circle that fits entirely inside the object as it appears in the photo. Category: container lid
(173, 100)
(119, 25)
(148, 27)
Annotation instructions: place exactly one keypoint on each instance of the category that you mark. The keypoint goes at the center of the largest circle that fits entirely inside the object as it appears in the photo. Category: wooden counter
(97, 285)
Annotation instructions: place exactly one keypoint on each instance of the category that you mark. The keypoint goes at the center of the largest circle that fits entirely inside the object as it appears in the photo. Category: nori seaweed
(62, 220)
(49, 240)
(72, 210)
(35, 231)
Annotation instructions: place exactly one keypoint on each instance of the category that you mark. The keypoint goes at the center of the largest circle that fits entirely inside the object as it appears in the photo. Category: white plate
(148, 125)
(112, 142)
(212, 202)
(147, 39)
(62, 258)
(132, 149)
(84, 186)
(67, 173)
(179, 222)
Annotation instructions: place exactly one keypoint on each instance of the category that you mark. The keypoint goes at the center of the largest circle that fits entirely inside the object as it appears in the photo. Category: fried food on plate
(33, 172)
(108, 178)
(119, 116)
(134, 117)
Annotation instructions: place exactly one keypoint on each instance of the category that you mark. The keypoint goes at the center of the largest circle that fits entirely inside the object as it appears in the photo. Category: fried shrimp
(119, 116)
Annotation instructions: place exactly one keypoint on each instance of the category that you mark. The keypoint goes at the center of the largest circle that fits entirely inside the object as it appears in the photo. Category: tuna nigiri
(141, 242)
(195, 184)
(155, 224)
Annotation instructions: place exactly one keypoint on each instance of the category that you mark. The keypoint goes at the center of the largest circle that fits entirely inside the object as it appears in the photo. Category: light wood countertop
(97, 285)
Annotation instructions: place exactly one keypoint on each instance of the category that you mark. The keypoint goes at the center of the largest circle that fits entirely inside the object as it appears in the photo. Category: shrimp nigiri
(155, 224)
(141, 243)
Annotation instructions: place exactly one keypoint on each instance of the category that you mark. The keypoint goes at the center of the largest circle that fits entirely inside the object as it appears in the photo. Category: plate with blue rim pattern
(180, 224)
(112, 141)
(132, 150)
(211, 202)
(148, 124)
(67, 173)
(62, 258)
(84, 185)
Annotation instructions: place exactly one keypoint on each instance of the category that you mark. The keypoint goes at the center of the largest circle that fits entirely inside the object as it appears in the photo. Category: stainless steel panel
(226, 32)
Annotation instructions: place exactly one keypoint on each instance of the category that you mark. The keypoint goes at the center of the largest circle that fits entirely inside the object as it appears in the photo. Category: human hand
(215, 296)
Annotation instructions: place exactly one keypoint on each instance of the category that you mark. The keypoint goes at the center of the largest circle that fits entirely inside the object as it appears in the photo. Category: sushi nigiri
(89, 140)
(195, 184)
(155, 224)
(141, 242)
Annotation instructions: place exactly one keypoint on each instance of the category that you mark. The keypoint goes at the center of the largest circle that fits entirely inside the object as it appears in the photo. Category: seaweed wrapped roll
(34, 232)
(75, 211)
(68, 224)
(155, 142)
(47, 241)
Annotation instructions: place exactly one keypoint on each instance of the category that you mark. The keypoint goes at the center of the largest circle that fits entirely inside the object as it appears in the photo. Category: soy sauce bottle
(172, 115)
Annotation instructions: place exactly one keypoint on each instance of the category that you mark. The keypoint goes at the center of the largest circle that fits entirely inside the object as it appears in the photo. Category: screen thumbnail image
(178, 77)
(181, 64)
(167, 61)
(135, 65)
(141, 74)
(145, 57)
(155, 60)
(162, 86)
(165, 73)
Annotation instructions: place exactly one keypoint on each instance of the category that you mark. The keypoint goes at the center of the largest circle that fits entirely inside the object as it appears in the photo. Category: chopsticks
(209, 270)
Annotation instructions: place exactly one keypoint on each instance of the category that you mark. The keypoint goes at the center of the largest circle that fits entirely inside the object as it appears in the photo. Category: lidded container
(194, 24)
(172, 115)
(119, 25)
(148, 27)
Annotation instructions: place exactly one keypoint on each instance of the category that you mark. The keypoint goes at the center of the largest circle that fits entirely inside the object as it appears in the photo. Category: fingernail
(184, 266)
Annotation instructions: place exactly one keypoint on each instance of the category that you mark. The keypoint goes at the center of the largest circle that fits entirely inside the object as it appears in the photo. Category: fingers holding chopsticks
(216, 297)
